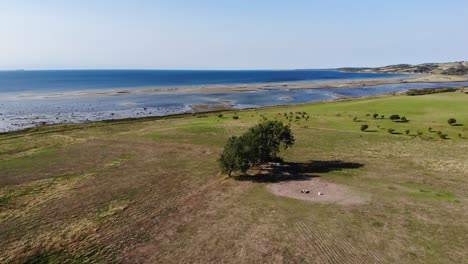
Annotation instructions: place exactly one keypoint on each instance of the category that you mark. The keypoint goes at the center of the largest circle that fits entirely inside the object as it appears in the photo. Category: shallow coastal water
(20, 113)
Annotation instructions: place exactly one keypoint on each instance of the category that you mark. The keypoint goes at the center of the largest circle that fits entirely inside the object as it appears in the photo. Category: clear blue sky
(235, 34)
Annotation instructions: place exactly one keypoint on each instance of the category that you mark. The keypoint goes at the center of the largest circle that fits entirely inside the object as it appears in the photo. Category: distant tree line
(460, 70)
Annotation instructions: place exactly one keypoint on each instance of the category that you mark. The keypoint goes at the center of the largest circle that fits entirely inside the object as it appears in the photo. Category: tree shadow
(457, 125)
(292, 171)
(370, 130)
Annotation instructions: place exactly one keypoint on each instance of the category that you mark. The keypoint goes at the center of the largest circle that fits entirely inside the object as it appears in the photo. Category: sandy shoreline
(201, 89)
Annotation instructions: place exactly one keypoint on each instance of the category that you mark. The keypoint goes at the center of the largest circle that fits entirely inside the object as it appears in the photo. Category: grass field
(149, 190)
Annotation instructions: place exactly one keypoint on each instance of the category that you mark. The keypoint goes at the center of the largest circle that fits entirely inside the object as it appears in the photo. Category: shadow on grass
(457, 125)
(292, 171)
(370, 130)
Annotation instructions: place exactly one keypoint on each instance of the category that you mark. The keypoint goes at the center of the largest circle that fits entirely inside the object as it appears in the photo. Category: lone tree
(259, 145)
(364, 127)
(452, 121)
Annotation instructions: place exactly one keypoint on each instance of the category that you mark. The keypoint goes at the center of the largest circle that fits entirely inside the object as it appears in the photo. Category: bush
(382, 116)
(364, 127)
(355, 119)
(403, 119)
(259, 145)
(235, 117)
(420, 133)
(407, 131)
(452, 121)
(375, 116)
(391, 130)
(394, 117)
(220, 115)
(443, 136)
(429, 91)
(429, 129)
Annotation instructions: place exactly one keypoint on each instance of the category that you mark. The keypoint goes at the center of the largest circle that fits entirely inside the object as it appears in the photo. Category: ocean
(85, 80)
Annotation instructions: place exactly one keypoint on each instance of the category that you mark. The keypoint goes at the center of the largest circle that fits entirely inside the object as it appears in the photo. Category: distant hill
(451, 68)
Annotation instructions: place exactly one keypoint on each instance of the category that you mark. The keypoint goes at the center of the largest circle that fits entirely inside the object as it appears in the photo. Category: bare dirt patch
(330, 192)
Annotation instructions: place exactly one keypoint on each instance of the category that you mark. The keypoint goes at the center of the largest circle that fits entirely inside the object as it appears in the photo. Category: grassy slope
(149, 190)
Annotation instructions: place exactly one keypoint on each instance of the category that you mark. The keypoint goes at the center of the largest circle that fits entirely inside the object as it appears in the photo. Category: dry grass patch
(329, 192)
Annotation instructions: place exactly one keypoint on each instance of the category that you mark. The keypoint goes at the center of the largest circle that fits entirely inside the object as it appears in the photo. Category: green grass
(204, 129)
(29, 160)
(149, 190)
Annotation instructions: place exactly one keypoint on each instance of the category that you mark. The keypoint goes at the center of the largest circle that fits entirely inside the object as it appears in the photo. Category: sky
(236, 34)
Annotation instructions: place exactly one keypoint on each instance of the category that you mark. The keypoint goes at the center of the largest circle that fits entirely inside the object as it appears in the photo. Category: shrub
(364, 127)
(452, 121)
(235, 117)
(403, 119)
(429, 91)
(407, 131)
(420, 133)
(355, 119)
(443, 136)
(391, 130)
(460, 135)
(382, 116)
(259, 145)
(429, 129)
(394, 117)
(220, 115)
(375, 116)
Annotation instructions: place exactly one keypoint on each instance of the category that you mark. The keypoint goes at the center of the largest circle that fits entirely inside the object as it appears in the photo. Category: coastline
(198, 111)
(19, 112)
(234, 88)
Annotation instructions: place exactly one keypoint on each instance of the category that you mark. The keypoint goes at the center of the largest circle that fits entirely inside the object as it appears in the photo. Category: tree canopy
(258, 145)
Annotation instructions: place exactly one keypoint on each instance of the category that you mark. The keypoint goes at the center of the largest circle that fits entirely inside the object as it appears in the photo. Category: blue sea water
(85, 80)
